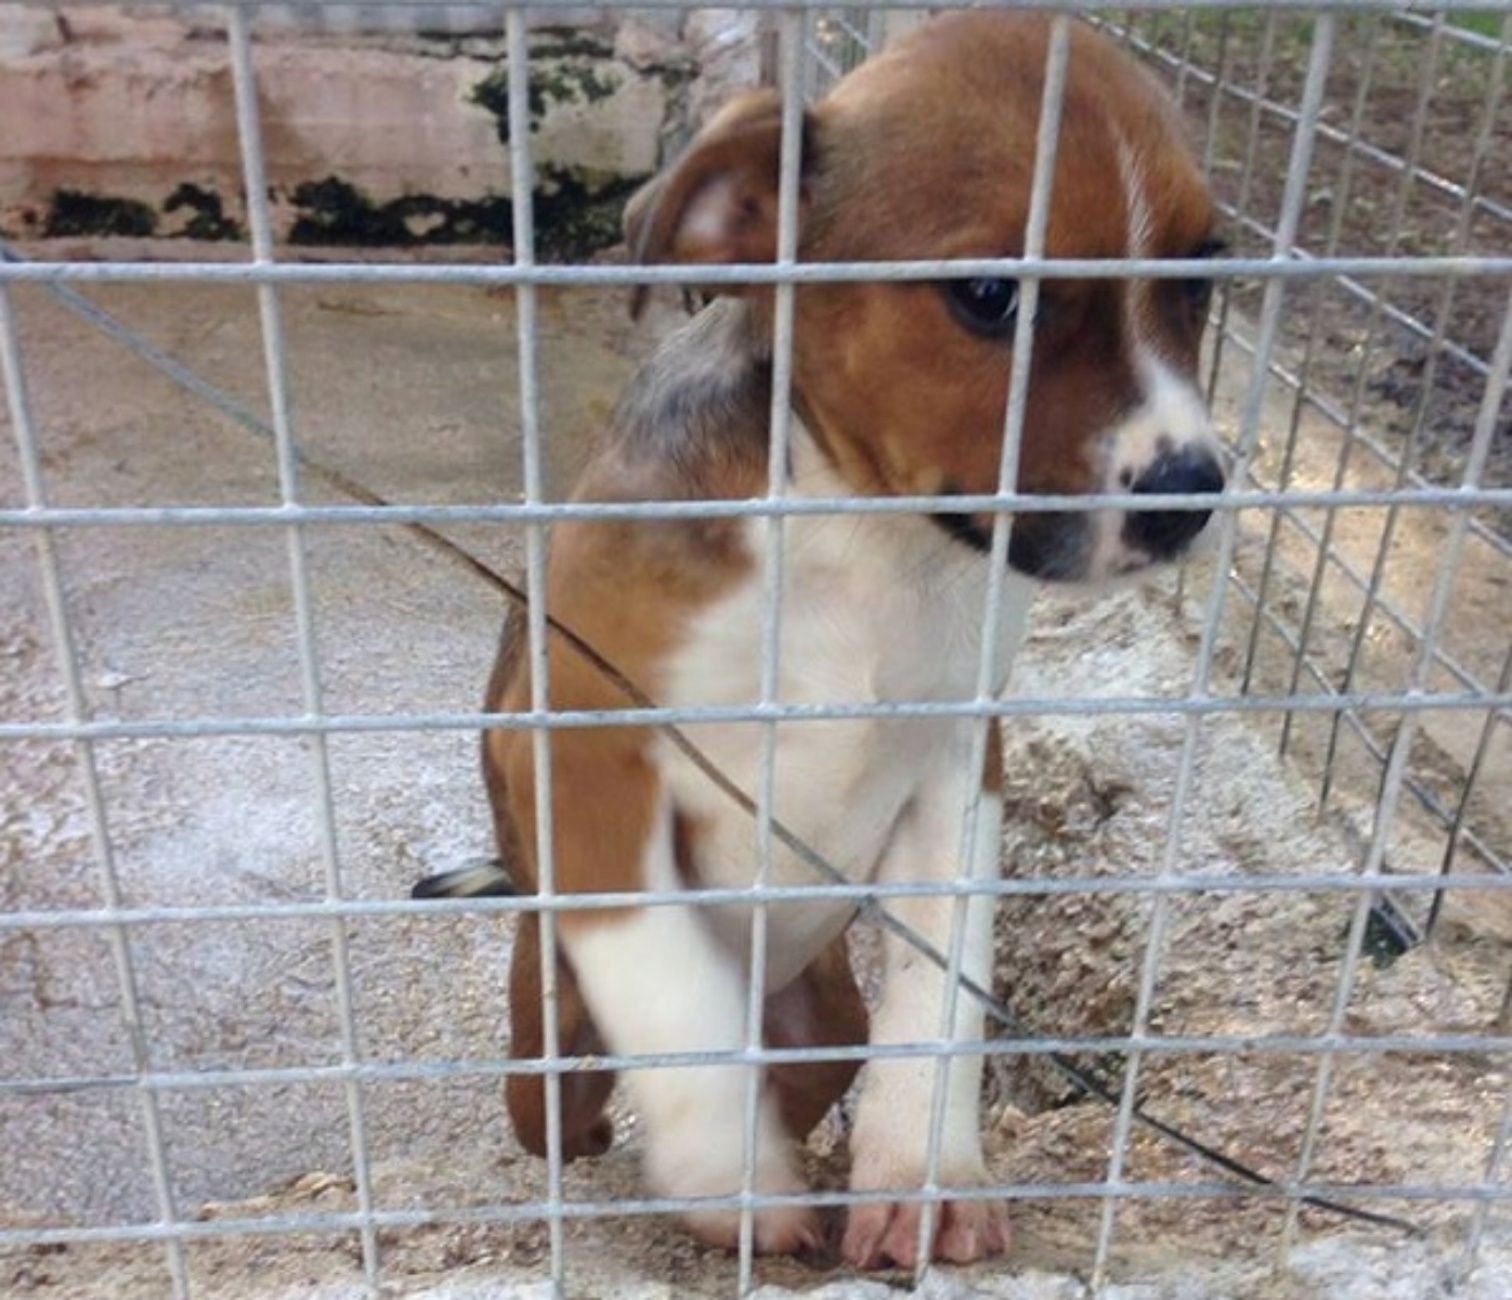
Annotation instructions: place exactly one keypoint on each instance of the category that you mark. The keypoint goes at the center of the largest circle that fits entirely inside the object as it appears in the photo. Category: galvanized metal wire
(818, 43)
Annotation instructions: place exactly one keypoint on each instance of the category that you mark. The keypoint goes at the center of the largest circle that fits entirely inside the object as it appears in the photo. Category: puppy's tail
(485, 878)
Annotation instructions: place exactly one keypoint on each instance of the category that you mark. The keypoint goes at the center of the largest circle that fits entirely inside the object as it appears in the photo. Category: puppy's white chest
(873, 610)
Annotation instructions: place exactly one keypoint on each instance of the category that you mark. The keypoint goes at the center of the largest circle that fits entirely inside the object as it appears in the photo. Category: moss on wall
(334, 211)
(208, 219)
(577, 208)
(73, 213)
(565, 68)
(576, 214)
(76, 214)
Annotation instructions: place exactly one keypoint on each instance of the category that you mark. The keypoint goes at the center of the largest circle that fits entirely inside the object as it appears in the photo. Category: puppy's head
(928, 152)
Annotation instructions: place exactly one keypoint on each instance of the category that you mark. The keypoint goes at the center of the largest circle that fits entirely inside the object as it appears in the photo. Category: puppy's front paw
(780, 1230)
(711, 1170)
(887, 1232)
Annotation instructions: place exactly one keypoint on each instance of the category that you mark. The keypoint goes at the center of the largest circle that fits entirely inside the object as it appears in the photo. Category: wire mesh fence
(1251, 968)
(1386, 180)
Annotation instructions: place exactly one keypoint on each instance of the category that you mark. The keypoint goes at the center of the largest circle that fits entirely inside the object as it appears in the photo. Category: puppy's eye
(985, 306)
(1198, 293)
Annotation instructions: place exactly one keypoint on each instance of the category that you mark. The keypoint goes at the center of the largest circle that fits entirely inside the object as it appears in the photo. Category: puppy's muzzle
(1165, 534)
(1091, 545)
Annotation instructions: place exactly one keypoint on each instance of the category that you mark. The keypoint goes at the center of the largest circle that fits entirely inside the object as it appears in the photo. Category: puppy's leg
(821, 1008)
(659, 981)
(586, 1130)
(890, 1143)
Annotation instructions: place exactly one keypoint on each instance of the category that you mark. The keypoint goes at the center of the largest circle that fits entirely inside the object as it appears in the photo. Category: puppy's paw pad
(888, 1233)
(972, 1230)
(780, 1230)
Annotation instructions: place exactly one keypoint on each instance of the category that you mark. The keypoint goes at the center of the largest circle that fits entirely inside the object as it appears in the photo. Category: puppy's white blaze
(1171, 418)
(657, 980)
(1140, 228)
(891, 1140)
(1139, 234)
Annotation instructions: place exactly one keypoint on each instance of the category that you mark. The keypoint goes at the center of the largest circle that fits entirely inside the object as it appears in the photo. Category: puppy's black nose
(1163, 533)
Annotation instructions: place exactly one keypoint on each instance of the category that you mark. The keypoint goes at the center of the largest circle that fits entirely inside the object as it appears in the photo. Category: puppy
(898, 389)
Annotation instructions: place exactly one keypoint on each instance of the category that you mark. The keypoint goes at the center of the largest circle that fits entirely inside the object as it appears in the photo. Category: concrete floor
(413, 393)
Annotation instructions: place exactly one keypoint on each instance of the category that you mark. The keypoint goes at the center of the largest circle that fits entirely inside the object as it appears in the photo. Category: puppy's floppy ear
(718, 202)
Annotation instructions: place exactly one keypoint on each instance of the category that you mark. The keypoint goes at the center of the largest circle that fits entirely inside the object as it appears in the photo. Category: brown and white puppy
(899, 388)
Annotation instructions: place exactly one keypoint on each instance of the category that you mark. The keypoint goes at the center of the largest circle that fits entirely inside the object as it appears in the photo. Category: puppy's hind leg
(821, 1008)
(586, 1129)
